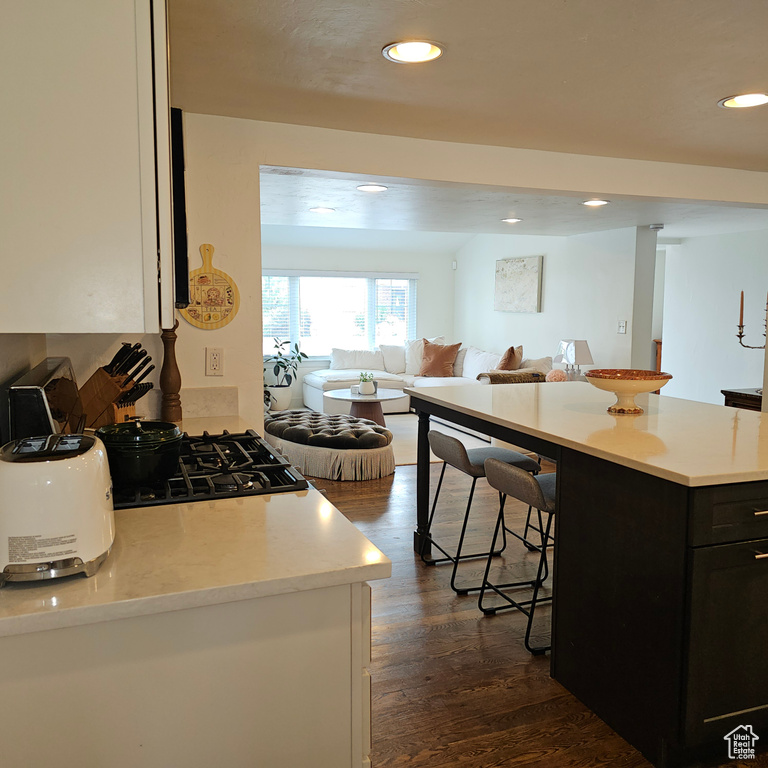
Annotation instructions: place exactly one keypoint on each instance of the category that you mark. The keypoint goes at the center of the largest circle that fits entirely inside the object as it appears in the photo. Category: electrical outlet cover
(214, 361)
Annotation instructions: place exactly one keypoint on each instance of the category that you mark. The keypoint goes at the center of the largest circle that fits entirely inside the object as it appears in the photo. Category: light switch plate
(622, 326)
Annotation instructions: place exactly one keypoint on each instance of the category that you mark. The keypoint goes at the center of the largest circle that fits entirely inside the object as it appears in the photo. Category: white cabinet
(273, 682)
(85, 110)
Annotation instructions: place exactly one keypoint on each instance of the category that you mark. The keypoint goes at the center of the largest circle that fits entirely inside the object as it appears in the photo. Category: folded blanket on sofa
(510, 377)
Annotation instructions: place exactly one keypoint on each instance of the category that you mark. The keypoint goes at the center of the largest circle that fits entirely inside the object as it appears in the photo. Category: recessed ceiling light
(595, 203)
(744, 100)
(372, 188)
(511, 221)
(322, 209)
(412, 51)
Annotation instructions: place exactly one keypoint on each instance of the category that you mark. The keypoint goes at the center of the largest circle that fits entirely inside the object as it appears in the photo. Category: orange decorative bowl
(625, 383)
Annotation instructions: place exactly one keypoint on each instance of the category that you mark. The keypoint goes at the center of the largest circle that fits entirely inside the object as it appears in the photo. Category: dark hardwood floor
(450, 686)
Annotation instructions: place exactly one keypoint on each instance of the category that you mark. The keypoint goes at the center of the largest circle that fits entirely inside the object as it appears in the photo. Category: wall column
(642, 352)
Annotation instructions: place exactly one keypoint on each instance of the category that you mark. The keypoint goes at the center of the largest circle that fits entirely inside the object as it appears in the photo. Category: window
(322, 310)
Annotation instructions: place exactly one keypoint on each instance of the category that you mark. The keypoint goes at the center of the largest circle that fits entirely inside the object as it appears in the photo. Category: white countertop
(687, 442)
(177, 556)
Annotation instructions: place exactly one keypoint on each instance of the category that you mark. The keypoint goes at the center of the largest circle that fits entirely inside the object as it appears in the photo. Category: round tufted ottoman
(333, 446)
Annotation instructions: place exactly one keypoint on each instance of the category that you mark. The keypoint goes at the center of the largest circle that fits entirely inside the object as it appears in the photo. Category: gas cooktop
(218, 467)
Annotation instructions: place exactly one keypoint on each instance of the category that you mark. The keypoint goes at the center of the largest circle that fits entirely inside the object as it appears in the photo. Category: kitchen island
(232, 632)
(660, 613)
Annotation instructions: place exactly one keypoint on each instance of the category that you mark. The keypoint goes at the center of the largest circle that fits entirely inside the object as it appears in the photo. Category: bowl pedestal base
(625, 403)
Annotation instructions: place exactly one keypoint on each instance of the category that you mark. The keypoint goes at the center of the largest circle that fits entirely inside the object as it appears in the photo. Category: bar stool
(471, 462)
(539, 493)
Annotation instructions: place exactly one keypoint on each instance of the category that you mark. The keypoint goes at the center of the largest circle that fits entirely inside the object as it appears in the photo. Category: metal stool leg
(427, 535)
(455, 559)
(527, 607)
(537, 650)
(486, 584)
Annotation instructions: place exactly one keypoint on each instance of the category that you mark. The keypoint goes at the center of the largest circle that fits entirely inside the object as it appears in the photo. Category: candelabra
(740, 334)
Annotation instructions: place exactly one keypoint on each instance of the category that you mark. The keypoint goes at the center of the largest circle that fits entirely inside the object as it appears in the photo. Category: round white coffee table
(366, 406)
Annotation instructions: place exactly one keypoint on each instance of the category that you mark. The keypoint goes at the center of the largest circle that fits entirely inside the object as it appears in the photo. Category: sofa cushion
(541, 364)
(414, 351)
(327, 378)
(511, 359)
(394, 357)
(458, 363)
(476, 362)
(437, 359)
(361, 359)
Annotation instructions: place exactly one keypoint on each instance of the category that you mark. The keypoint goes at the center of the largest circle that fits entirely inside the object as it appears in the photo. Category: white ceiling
(617, 78)
(421, 206)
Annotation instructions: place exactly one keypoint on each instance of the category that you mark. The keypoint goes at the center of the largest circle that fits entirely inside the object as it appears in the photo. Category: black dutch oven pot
(141, 453)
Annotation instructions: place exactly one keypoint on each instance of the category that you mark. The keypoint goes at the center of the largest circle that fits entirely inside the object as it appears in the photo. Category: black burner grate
(218, 467)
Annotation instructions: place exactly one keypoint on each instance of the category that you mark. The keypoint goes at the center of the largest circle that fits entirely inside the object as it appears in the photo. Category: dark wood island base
(660, 615)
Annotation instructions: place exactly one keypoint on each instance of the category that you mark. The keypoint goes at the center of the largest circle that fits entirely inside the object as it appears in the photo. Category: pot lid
(139, 433)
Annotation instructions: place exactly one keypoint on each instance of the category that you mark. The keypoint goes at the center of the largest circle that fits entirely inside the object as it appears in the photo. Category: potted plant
(284, 364)
(367, 386)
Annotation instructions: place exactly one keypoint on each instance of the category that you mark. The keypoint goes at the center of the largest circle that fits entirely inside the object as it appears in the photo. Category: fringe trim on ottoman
(334, 463)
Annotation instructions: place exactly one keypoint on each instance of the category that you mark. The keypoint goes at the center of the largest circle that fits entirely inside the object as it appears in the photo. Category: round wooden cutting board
(213, 295)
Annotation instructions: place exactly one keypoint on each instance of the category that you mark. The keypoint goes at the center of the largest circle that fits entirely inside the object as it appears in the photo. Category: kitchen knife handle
(145, 374)
(143, 389)
(118, 358)
(129, 361)
(140, 367)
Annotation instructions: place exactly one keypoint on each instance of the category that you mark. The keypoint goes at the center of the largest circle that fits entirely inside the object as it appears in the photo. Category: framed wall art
(518, 285)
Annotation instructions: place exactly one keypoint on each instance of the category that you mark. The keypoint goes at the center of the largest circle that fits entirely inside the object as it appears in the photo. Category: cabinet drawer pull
(760, 512)
(761, 555)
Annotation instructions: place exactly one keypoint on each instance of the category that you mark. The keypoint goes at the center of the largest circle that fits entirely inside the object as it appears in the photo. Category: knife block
(116, 414)
(98, 396)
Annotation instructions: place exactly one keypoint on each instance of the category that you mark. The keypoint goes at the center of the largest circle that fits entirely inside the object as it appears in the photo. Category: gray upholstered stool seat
(472, 463)
(477, 457)
(538, 493)
(332, 446)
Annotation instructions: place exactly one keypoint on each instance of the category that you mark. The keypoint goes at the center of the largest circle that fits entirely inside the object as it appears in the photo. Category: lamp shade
(573, 352)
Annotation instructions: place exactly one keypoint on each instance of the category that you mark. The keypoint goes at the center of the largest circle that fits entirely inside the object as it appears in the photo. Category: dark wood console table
(660, 611)
(751, 399)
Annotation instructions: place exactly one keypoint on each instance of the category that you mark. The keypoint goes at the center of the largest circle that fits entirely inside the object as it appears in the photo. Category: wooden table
(660, 611)
(366, 406)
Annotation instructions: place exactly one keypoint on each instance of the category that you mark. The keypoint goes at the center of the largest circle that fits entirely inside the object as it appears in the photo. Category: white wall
(586, 290)
(704, 278)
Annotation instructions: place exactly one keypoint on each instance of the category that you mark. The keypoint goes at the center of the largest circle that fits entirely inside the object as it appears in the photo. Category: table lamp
(574, 353)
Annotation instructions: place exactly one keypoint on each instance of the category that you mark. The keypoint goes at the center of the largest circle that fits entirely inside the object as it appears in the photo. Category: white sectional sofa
(396, 367)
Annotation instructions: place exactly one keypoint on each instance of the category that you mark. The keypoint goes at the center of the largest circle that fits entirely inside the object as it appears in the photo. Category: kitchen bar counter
(660, 592)
(176, 556)
(687, 442)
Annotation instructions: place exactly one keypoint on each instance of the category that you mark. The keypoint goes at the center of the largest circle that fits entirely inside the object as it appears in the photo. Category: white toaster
(56, 514)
